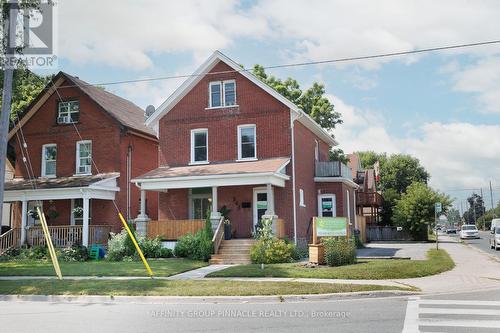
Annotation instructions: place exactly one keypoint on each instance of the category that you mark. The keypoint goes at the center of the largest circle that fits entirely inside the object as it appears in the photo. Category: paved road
(474, 312)
(482, 243)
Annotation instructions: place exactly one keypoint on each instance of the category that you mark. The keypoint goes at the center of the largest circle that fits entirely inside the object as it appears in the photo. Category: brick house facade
(119, 148)
(227, 138)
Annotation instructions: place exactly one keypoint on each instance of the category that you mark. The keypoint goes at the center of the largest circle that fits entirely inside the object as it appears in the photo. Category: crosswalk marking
(417, 306)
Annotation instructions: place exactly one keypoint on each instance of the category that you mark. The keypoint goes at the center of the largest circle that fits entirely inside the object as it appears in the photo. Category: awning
(266, 171)
(100, 186)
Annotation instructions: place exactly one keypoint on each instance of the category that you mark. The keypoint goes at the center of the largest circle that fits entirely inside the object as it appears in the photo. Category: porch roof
(99, 186)
(266, 171)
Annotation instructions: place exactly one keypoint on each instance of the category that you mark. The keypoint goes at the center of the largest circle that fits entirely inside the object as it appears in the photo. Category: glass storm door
(326, 205)
(260, 205)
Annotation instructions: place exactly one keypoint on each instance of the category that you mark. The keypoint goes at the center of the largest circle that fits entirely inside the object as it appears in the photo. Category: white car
(469, 231)
(495, 238)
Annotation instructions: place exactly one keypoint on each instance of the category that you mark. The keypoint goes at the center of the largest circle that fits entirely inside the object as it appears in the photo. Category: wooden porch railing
(10, 239)
(68, 235)
(173, 229)
(218, 235)
(369, 199)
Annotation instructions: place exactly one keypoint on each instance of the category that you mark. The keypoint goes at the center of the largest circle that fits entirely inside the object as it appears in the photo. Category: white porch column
(85, 230)
(141, 220)
(214, 215)
(270, 214)
(24, 220)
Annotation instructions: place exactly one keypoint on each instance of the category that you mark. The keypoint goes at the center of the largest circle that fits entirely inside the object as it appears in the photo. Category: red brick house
(83, 145)
(228, 139)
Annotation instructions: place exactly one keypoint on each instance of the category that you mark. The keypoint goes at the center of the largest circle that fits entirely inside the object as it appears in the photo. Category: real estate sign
(331, 226)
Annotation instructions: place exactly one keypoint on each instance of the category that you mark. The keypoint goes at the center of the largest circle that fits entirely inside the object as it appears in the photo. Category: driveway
(404, 250)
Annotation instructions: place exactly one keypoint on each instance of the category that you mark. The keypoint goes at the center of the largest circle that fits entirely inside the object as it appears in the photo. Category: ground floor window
(199, 202)
(77, 211)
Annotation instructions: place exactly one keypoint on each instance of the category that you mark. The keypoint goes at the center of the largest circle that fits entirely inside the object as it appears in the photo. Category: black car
(451, 231)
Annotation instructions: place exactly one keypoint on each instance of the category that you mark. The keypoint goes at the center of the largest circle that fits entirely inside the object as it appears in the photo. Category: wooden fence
(361, 226)
(68, 235)
(386, 233)
(173, 229)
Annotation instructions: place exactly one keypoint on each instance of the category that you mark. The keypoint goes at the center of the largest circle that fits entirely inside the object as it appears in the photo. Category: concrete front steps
(234, 251)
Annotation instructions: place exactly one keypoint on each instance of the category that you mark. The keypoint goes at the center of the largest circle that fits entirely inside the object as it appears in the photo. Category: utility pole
(491, 198)
(9, 41)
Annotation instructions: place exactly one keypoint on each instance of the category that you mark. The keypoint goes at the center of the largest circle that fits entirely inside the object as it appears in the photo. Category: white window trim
(223, 95)
(69, 111)
(334, 203)
(193, 132)
(316, 150)
(301, 198)
(43, 173)
(78, 143)
(192, 196)
(240, 127)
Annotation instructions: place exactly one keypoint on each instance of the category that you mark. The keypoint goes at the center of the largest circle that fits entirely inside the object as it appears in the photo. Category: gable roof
(206, 67)
(121, 110)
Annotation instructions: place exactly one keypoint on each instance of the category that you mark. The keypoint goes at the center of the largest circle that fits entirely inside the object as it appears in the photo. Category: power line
(297, 64)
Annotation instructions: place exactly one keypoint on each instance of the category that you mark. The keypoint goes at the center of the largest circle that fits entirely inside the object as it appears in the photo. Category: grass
(160, 267)
(437, 261)
(148, 287)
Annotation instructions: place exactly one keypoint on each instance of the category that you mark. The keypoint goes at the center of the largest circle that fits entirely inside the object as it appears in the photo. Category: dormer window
(222, 94)
(68, 112)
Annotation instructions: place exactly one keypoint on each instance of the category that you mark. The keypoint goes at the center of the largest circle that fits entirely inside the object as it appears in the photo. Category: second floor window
(199, 146)
(247, 147)
(68, 112)
(49, 157)
(84, 157)
(222, 93)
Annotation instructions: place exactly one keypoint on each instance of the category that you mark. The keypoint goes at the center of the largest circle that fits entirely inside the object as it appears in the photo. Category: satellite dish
(150, 109)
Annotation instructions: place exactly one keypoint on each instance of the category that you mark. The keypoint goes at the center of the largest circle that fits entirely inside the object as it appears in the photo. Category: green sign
(331, 226)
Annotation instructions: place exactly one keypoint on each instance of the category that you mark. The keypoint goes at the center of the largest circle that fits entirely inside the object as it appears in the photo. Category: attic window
(222, 94)
(68, 112)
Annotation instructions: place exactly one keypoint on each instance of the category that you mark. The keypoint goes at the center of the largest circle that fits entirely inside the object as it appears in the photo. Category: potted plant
(227, 229)
(78, 212)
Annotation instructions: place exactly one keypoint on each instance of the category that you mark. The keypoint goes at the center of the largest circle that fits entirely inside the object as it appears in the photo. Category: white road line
(411, 318)
(459, 323)
(458, 302)
(486, 312)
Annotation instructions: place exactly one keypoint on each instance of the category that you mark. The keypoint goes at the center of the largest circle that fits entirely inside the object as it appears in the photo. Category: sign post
(437, 209)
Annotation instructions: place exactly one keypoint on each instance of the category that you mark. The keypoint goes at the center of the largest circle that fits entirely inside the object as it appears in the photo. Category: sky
(442, 107)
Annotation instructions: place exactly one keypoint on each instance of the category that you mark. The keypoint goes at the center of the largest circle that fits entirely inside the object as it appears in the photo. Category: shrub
(165, 253)
(300, 252)
(35, 252)
(119, 246)
(74, 253)
(274, 251)
(339, 251)
(198, 246)
(151, 247)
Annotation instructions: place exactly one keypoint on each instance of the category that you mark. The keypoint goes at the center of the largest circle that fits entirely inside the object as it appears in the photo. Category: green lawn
(160, 267)
(438, 261)
(148, 287)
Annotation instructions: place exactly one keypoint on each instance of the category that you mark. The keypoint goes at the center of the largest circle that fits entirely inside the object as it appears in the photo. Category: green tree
(453, 217)
(338, 155)
(415, 210)
(26, 86)
(368, 158)
(476, 209)
(399, 171)
(312, 101)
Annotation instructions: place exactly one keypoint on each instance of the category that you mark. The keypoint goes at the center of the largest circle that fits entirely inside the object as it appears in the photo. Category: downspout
(129, 166)
(294, 200)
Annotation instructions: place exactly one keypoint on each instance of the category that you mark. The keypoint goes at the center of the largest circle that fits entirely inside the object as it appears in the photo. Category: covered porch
(244, 192)
(78, 210)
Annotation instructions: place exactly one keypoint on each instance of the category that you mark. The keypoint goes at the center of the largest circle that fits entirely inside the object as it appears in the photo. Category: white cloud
(457, 155)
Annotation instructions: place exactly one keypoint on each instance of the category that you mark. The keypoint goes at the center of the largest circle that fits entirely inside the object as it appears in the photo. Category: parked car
(451, 231)
(469, 231)
(495, 238)
(495, 223)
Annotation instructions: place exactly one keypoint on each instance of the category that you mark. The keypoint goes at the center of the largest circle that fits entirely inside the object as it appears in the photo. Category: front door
(33, 218)
(259, 205)
(326, 205)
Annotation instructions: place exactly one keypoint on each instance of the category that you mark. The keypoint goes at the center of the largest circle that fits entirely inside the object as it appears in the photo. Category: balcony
(367, 199)
(333, 169)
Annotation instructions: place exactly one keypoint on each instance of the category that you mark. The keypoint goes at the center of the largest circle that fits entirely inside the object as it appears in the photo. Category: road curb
(203, 299)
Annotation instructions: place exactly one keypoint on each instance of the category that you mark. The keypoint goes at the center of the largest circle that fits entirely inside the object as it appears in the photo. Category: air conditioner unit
(64, 120)
(84, 169)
